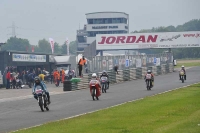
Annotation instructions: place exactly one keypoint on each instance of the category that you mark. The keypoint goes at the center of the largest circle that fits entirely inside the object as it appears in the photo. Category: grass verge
(187, 64)
(177, 111)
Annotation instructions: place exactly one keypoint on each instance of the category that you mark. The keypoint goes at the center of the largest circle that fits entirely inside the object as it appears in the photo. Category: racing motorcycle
(94, 85)
(148, 81)
(42, 99)
(182, 76)
(104, 84)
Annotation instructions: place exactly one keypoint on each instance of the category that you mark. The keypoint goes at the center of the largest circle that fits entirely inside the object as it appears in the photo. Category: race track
(25, 112)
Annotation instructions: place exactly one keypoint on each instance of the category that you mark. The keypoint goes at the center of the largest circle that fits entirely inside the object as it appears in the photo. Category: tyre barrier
(123, 75)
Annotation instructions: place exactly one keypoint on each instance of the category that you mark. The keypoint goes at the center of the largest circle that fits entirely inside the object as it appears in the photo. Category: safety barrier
(123, 75)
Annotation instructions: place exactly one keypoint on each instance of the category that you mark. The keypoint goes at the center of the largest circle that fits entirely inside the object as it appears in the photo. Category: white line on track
(105, 108)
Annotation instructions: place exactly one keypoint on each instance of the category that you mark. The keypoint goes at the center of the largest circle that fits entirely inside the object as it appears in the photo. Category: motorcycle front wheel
(41, 104)
(93, 93)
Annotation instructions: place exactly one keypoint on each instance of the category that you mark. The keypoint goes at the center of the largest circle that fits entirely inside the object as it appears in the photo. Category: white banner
(157, 61)
(104, 63)
(67, 43)
(29, 58)
(110, 64)
(51, 41)
(138, 63)
(148, 40)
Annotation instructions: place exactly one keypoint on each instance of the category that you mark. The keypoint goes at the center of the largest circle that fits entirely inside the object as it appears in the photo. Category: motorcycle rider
(94, 77)
(104, 74)
(38, 82)
(182, 69)
(152, 77)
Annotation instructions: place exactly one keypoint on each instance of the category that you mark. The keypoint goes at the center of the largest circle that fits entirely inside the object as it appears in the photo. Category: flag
(67, 43)
(51, 41)
(32, 48)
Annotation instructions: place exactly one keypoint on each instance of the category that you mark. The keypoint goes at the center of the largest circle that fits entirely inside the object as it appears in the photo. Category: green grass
(188, 64)
(177, 111)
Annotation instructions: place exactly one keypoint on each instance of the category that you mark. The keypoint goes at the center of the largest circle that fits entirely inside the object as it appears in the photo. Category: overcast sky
(58, 19)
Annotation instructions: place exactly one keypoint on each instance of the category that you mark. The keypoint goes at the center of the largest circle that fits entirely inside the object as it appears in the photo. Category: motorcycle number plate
(93, 85)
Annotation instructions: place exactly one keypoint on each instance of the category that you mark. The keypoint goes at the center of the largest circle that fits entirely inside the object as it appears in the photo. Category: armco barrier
(123, 75)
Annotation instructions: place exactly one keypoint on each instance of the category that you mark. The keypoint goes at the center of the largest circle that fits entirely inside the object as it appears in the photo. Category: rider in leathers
(183, 69)
(104, 74)
(38, 82)
(152, 77)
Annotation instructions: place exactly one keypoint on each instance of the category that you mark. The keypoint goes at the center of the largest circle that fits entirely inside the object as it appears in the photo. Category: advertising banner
(51, 41)
(157, 61)
(148, 40)
(127, 63)
(29, 58)
(138, 63)
(104, 63)
(110, 64)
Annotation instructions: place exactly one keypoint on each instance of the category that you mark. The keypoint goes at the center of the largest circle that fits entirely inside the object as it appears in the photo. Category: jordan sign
(148, 40)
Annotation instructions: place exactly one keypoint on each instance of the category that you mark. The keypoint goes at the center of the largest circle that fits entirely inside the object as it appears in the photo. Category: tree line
(179, 53)
(19, 44)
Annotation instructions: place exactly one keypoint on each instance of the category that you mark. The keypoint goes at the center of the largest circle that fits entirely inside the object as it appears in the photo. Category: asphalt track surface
(25, 112)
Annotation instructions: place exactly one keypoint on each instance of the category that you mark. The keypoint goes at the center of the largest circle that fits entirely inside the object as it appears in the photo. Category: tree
(57, 48)
(64, 48)
(73, 47)
(17, 44)
(43, 47)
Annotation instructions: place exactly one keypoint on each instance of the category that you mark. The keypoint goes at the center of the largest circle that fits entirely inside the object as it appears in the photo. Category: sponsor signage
(127, 63)
(104, 27)
(28, 58)
(148, 40)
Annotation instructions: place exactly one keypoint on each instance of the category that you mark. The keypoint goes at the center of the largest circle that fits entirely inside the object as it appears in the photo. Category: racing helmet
(149, 71)
(104, 72)
(37, 80)
(94, 75)
(182, 66)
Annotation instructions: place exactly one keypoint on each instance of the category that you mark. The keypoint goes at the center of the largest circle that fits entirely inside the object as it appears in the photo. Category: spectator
(116, 68)
(8, 78)
(63, 75)
(81, 62)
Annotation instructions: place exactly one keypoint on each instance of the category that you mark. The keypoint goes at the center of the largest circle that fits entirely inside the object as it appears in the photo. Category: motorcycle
(18, 83)
(94, 89)
(182, 76)
(104, 84)
(148, 81)
(42, 99)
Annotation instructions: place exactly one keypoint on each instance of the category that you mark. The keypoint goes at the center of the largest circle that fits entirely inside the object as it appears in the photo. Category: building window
(107, 21)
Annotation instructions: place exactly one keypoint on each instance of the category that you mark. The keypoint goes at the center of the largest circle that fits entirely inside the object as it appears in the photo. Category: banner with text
(148, 40)
(29, 58)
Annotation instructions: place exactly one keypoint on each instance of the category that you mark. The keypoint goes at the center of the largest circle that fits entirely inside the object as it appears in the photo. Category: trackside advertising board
(148, 40)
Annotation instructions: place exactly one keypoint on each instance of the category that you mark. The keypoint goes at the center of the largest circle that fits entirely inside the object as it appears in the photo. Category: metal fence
(100, 63)
(125, 75)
